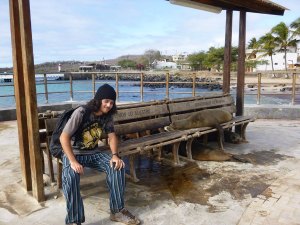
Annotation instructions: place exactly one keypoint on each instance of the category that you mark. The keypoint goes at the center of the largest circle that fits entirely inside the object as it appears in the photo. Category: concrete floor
(264, 191)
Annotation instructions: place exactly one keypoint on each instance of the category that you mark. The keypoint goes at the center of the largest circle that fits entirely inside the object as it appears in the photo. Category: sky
(95, 30)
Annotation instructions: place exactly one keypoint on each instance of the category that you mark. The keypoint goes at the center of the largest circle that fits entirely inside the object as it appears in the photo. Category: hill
(70, 66)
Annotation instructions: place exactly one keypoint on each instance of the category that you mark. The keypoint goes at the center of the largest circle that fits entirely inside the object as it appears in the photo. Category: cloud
(96, 29)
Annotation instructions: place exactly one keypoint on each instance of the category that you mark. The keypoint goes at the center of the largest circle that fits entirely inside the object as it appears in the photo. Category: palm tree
(254, 45)
(295, 26)
(267, 44)
(284, 39)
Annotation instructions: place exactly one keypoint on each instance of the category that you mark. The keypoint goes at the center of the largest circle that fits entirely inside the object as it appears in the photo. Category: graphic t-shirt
(86, 141)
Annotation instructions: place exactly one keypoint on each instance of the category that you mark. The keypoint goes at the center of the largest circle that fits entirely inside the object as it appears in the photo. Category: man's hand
(116, 162)
(77, 167)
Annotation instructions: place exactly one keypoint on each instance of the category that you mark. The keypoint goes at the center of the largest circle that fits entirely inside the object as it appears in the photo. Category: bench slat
(182, 107)
(141, 112)
(230, 109)
(205, 96)
(149, 140)
(139, 126)
(50, 125)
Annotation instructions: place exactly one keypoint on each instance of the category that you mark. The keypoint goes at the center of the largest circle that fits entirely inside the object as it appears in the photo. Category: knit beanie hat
(105, 92)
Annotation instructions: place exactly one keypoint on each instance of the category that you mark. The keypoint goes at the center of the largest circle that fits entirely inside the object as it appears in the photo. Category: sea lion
(204, 118)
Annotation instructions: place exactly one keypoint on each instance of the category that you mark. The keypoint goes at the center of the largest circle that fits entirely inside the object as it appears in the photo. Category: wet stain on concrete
(265, 157)
(191, 184)
(166, 182)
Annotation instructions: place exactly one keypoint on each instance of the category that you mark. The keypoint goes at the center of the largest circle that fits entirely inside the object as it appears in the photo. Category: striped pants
(115, 180)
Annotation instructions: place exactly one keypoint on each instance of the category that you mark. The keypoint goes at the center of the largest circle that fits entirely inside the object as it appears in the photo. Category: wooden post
(167, 84)
(117, 86)
(31, 101)
(194, 85)
(241, 65)
(20, 94)
(294, 88)
(241, 69)
(94, 84)
(258, 88)
(46, 87)
(142, 87)
(71, 87)
(227, 53)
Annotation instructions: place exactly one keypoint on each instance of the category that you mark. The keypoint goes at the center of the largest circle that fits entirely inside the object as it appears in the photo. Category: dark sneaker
(124, 216)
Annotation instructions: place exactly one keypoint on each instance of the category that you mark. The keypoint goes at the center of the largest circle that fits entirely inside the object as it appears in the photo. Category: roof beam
(255, 6)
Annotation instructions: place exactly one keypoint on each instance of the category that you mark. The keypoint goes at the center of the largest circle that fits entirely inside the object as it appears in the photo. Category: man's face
(106, 105)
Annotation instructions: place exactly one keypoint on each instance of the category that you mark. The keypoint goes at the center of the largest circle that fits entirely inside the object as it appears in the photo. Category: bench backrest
(135, 118)
(50, 125)
(145, 116)
(181, 108)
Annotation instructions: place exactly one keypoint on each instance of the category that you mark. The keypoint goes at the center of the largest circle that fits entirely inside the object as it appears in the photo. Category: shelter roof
(255, 6)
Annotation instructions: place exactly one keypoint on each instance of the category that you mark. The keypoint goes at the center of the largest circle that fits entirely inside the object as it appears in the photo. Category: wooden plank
(50, 125)
(140, 104)
(241, 65)
(20, 94)
(141, 112)
(149, 140)
(31, 102)
(230, 109)
(227, 52)
(200, 104)
(143, 125)
(204, 96)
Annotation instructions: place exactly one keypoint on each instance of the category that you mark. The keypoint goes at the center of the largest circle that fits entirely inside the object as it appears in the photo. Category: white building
(180, 57)
(85, 68)
(164, 64)
(278, 60)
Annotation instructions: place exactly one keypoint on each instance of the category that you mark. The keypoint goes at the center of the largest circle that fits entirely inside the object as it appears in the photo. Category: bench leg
(220, 137)
(59, 173)
(43, 161)
(220, 142)
(50, 164)
(188, 148)
(175, 148)
(132, 168)
(243, 132)
(159, 153)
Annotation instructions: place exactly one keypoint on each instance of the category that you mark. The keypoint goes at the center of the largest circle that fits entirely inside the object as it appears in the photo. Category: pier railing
(279, 84)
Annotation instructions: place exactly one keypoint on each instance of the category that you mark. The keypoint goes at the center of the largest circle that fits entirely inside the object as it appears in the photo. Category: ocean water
(128, 92)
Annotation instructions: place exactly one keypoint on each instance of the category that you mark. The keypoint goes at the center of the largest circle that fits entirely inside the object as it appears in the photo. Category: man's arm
(65, 141)
(113, 144)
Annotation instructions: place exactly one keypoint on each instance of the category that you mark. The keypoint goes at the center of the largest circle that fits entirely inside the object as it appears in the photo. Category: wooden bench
(182, 108)
(47, 123)
(146, 121)
(44, 146)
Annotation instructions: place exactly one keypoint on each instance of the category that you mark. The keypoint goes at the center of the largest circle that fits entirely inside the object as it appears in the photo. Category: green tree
(268, 46)
(295, 26)
(215, 58)
(127, 63)
(254, 45)
(284, 39)
(151, 55)
(196, 60)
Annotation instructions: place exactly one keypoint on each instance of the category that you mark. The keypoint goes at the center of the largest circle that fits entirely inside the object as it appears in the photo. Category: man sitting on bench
(79, 141)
